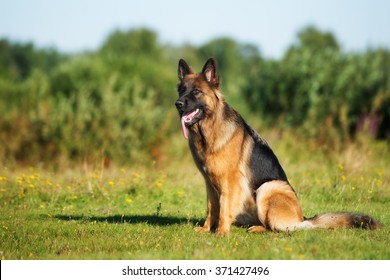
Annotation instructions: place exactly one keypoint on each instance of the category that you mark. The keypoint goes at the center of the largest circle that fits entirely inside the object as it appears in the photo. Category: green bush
(325, 92)
(89, 106)
(117, 103)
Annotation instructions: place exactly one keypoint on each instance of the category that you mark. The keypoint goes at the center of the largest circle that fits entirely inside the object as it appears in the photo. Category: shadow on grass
(131, 219)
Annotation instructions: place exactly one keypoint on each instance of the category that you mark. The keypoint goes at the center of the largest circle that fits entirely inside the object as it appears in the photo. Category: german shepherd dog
(245, 182)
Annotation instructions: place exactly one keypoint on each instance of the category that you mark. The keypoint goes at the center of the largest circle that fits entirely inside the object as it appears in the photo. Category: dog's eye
(196, 92)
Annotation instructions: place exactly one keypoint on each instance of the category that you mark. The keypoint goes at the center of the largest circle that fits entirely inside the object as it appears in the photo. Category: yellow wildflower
(158, 183)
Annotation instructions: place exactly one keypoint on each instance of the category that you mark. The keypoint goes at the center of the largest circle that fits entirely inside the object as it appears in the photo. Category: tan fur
(223, 188)
(229, 198)
(222, 147)
(277, 206)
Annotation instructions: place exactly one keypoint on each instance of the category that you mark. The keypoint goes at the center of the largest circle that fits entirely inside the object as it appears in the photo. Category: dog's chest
(218, 167)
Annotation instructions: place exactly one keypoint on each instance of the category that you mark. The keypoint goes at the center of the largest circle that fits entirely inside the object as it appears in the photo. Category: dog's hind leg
(278, 207)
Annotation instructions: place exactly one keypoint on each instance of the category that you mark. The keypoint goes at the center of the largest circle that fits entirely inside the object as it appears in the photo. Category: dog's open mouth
(189, 119)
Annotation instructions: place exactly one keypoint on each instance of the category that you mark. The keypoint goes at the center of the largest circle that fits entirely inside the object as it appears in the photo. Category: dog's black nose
(179, 104)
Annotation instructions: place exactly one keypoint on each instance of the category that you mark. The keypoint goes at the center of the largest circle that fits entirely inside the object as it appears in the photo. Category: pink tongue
(184, 128)
(187, 118)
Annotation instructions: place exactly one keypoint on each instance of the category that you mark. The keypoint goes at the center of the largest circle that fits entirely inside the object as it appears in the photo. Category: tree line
(117, 102)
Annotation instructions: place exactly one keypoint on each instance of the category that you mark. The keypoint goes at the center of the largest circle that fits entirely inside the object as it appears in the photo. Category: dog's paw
(221, 232)
(202, 229)
(257, 229)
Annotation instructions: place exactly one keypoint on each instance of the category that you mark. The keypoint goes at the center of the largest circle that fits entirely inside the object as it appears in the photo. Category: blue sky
(75, 25)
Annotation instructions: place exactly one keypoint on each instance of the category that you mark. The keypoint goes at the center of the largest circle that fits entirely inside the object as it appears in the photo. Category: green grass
(149, 212)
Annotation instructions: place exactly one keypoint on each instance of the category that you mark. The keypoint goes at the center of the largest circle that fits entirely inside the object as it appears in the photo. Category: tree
(133, 42)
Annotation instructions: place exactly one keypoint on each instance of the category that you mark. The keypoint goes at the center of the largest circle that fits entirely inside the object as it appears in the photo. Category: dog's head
(198, 93)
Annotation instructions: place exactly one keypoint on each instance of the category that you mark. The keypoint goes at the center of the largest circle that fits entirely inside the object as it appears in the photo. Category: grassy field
(149, 212)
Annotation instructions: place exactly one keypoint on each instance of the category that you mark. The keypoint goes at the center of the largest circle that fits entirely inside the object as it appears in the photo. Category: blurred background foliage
(117, 102)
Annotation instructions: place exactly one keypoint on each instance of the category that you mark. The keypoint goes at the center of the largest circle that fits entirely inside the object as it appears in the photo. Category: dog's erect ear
(183, 69)
(210, 72)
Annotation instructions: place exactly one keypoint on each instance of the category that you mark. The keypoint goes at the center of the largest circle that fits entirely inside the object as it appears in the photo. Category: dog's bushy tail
(344, 220)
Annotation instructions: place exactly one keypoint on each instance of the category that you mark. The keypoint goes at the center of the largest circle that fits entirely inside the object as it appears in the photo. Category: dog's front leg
(225, 217)
(231, 202)
(213, 209)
